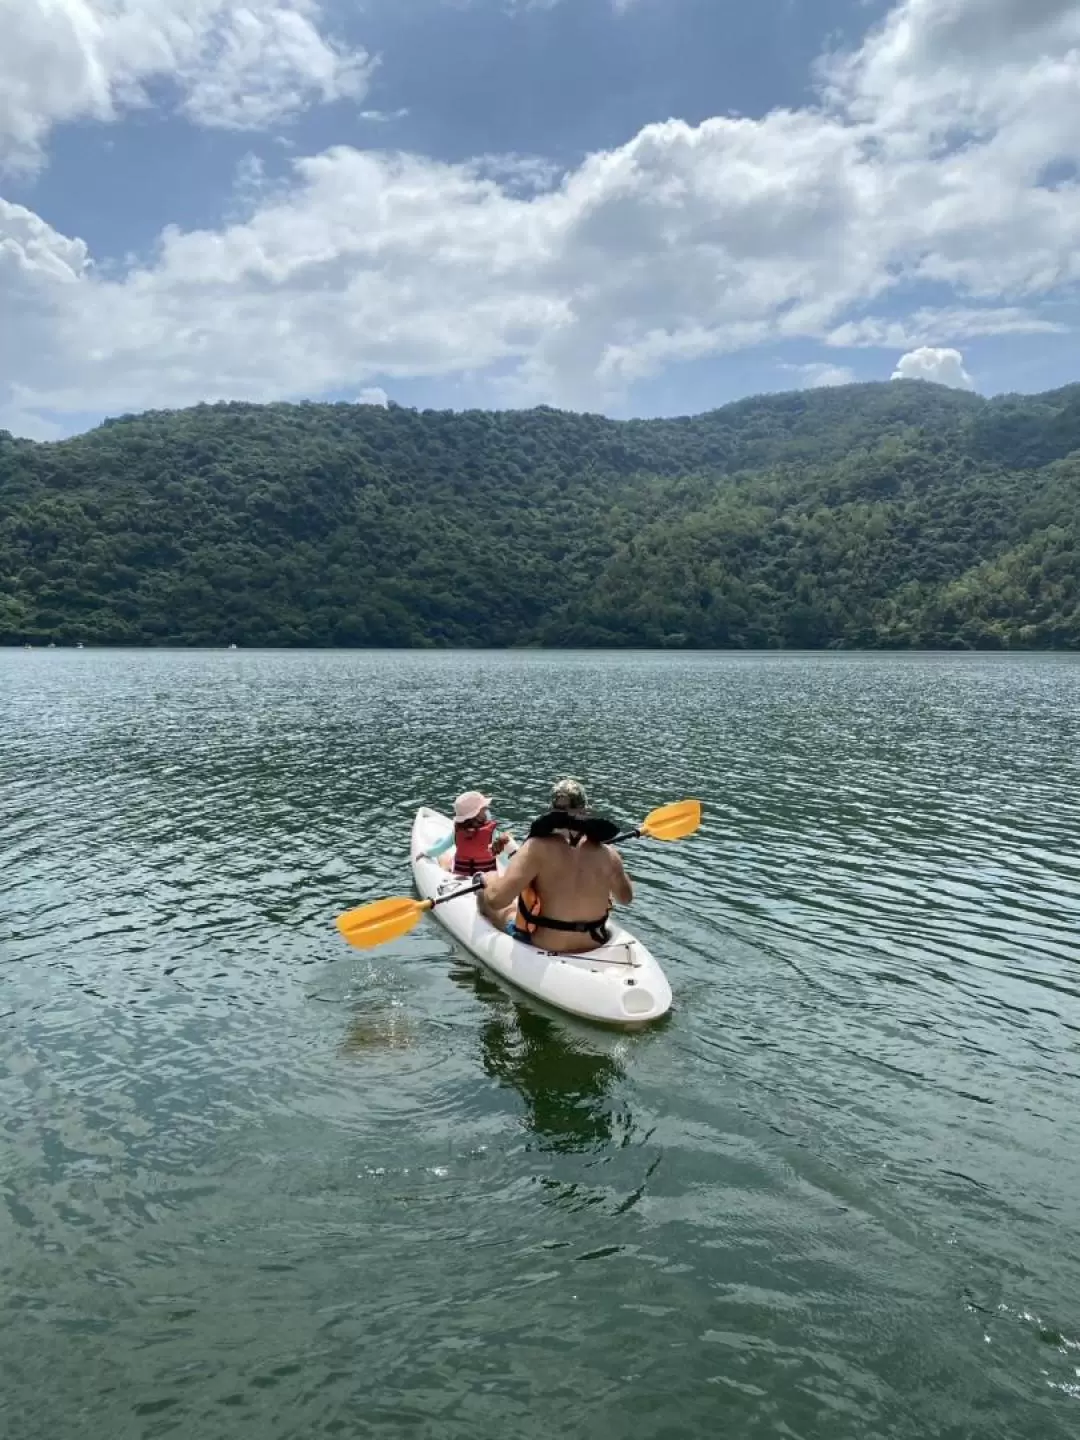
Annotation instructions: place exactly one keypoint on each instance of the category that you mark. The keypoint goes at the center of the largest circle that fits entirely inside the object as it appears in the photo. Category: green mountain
(896, 515)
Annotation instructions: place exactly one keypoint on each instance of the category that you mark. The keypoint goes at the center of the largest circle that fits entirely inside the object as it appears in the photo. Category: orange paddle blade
(382, 920)
(673, 822)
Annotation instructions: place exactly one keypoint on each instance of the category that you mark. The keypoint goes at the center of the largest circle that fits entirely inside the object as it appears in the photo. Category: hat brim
(473, 810)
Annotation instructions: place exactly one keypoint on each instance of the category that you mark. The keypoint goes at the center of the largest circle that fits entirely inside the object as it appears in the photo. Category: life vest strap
(531, 919)
(596, 929)
(475, 867)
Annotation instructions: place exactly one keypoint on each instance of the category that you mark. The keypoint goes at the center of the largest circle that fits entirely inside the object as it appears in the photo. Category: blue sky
(647, 207)
(454, 81)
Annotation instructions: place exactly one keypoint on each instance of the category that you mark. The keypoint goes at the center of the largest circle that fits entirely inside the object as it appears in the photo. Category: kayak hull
(618, 984)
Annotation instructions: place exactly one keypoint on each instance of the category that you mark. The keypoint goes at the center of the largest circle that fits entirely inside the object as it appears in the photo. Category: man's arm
(499, 890)
(621, 889)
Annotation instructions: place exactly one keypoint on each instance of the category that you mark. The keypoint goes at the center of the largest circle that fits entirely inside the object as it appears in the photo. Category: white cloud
(942, 366)
(29, 424)
(934, 65)
(242, 65)
(818, 376)
(41, 275)
(373, 395)
(35, 251)
(956, 323)
(685, 242)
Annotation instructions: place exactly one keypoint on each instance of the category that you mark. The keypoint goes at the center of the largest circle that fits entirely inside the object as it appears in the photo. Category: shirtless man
(558, 889)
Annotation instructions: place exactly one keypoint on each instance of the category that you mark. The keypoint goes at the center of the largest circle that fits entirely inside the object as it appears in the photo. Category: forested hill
(900, 514)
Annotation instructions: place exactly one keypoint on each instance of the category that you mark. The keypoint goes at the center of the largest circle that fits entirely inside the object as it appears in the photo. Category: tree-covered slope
(884, 515)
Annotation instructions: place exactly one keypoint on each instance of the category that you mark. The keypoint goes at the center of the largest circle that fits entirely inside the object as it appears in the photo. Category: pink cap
(470, 804)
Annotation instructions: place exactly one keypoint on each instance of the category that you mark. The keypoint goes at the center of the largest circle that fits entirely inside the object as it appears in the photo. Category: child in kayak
(476, 839)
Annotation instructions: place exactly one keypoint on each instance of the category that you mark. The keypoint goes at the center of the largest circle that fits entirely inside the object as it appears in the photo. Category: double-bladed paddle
(383, 920)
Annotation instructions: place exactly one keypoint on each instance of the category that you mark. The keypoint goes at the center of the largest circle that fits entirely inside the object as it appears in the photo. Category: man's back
(574, 883)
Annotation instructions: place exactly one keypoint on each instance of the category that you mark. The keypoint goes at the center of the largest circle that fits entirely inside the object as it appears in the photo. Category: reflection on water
(564, 1081)
(389, 1029)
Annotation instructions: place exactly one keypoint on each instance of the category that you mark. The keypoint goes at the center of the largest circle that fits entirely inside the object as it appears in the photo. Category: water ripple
(256, 1183)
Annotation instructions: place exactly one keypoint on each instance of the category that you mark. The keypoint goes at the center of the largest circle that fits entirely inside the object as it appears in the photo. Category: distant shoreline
(732, 652)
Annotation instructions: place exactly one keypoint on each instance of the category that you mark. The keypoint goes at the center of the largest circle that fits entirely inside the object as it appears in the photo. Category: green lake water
(256, 1183)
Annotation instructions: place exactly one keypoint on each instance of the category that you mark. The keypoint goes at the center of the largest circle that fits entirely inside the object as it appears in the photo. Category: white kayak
(618, 984)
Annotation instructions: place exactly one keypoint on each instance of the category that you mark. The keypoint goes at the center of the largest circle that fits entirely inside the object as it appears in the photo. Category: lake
(257, 1183)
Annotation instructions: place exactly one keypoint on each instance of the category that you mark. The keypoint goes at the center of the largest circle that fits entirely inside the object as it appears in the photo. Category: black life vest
(577, 827)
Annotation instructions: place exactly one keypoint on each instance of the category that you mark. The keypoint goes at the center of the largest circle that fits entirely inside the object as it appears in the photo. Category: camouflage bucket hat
(569, 794)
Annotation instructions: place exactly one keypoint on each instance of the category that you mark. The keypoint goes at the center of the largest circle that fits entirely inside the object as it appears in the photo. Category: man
(558, 889)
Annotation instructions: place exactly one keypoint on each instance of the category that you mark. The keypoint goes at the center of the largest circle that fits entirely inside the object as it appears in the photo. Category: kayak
(619, 983)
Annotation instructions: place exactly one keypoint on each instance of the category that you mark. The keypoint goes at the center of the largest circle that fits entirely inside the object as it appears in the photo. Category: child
(476, 837)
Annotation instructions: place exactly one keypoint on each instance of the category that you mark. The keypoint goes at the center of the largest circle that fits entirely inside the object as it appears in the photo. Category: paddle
(383, 920)
(669, 822)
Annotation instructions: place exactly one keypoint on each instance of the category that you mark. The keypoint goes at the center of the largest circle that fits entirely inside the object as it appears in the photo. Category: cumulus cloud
(943, 366)
(373, 395)
(819, 376)
(921, 164)
(241, 65)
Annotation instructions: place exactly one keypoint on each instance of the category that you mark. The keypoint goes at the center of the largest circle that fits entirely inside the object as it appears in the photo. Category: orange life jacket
(472, 849)
(528, 910)
(530, 918)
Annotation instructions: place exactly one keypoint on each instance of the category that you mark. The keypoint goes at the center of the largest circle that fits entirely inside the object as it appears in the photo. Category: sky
(632, 207)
